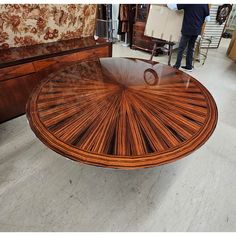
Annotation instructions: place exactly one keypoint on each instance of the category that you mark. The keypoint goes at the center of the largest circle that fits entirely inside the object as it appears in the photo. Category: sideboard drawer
(16, 71)
(78, 56)
(93, 53)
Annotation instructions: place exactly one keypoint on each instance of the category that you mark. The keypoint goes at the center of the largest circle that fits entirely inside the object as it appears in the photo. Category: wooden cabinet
(14, 94)
(16, 83)
(139, 40)
(19, 76)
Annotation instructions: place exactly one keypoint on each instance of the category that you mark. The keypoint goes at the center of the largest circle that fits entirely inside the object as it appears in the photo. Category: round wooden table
(122, 113)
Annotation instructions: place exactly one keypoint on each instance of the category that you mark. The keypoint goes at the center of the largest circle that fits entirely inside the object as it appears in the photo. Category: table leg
(153, 51)
(170, 54)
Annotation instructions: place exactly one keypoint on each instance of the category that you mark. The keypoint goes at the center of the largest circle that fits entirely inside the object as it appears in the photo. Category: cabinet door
(14, 94)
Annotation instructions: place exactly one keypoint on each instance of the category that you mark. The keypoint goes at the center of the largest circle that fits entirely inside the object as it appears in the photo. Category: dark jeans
(184, 41)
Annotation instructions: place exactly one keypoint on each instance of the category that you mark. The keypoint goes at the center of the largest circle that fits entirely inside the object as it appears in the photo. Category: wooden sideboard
(139, 40)
(21, 69)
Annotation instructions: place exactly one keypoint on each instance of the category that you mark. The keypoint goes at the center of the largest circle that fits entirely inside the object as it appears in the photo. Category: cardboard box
(231, 52)
(163, 23)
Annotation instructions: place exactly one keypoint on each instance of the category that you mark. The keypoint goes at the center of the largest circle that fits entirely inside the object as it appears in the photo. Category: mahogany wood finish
(122, 113)
(13, 99)
(22, 68)
(16, 71)
(140, 41)
(86, 54)
(14, 56)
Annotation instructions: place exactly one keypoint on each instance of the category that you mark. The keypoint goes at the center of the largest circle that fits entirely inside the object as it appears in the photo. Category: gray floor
(43, 191)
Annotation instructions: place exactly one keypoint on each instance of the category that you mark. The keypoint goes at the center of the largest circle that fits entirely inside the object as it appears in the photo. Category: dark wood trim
(141, 48)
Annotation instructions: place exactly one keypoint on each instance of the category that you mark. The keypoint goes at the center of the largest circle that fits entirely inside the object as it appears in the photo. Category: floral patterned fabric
(29, 24)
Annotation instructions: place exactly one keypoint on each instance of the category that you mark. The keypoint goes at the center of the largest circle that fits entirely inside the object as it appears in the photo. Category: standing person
(194, 17)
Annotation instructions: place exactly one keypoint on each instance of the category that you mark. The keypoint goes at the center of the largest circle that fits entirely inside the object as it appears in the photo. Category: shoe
(176, 67)
(187, 68)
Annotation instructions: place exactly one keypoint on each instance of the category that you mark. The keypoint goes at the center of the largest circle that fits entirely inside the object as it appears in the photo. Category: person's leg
(189, 56)
(182, 45)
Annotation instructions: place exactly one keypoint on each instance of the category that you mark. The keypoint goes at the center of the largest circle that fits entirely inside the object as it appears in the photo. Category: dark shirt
(194, 17)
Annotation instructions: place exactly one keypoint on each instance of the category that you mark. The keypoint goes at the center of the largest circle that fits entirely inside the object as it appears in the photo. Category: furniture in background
(21, 69)
(231, 52)
(126, 19)
(139, 40)
(104, 22)
(168, 49)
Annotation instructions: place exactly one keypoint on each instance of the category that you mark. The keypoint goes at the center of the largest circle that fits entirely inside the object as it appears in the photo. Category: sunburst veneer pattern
(122, 113)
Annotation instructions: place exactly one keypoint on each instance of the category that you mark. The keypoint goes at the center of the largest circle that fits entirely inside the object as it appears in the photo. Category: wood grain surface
(19, 55)
(121, 113)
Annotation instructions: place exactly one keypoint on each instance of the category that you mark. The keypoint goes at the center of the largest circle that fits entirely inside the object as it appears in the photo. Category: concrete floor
(43, 191)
